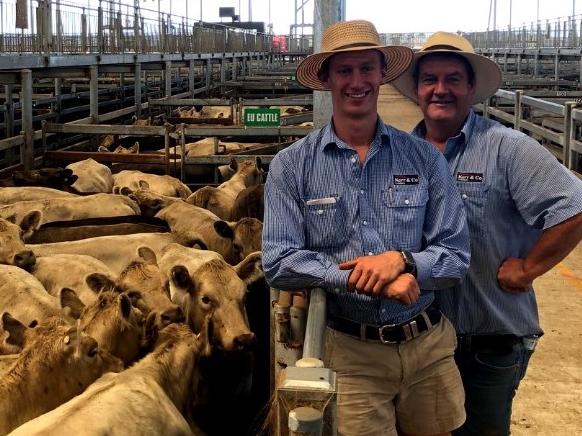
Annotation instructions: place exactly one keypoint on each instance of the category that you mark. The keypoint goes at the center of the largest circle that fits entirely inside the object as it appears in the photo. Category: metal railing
(55, 26)
(561, 32)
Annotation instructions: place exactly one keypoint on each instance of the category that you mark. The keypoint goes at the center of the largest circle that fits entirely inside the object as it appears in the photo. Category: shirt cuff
(423, 268)
(336, 280)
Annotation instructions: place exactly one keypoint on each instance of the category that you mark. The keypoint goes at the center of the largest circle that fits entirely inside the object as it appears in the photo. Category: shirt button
(362, 191)
(353, 159)
(337, 290)
(370, 253)
(464, 196)
(383, 310)
(365, 222)
(406, 201)
(320, 211)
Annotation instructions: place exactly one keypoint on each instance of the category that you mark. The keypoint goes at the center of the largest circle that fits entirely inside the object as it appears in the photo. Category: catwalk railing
(54, 26)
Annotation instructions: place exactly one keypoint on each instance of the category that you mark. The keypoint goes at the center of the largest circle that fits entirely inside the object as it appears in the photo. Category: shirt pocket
(325, 225)
(406, 208)
(475, 199)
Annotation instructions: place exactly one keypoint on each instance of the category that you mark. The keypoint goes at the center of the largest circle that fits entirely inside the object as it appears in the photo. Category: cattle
(250, 202)
(205, 285)
(114, 251)
(80, 272)
(12, 248)
(289, 110)
(73, 209)
(92, 176)
(233, 240)
(57, 363)
(9, 195)
(205, 112)
(24, 297)
(165, 185)
(112, 320)
(57, 178)
(149, 201)
(220, 200)
(150, 398)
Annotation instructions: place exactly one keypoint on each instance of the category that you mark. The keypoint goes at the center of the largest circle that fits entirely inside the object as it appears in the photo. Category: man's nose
(440, 87)
(356, 79)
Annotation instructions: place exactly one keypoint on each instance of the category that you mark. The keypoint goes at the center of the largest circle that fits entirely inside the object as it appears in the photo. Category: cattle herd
(123, 331)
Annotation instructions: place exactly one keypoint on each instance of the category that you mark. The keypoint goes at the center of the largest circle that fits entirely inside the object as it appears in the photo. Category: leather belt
(388, 333)
(502, 344)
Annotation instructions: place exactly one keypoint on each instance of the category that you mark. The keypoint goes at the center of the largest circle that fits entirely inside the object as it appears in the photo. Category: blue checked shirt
(322, 208)
(513, 189)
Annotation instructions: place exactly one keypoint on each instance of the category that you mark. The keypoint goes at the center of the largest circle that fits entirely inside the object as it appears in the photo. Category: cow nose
(245, 341)
(173, 315)
(25, 259)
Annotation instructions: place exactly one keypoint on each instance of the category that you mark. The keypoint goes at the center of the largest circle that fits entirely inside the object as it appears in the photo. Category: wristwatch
(409, 263)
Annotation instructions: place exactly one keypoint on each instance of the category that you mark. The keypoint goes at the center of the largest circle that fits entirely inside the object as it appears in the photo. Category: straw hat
(488, 77)
(350, 36)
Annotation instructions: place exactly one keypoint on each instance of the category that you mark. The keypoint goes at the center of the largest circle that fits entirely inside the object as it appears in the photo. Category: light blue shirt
(322, 208)
(513, 189)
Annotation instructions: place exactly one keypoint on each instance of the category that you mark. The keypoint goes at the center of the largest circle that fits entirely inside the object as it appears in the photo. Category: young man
(524, 211)
(372, 215)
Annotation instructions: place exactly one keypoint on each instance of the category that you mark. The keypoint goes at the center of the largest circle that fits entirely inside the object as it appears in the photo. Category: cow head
(58, 178)
(12, 236)
(215, 290)
(250, 172)
(245, 234)
(217, 201)
(149, 201)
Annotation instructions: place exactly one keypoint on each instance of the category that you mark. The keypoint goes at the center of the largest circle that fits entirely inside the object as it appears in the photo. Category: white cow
(92, 176)
(9, 195)
(165, 185)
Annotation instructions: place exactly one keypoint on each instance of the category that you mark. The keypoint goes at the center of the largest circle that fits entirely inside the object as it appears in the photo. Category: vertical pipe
(9, 116)
(517, 110)
(137, 88)
(315, 328)
(93, 94)
(191, 78)
(27, 154)
(222, 75)
(168, 78)
(567, 134)
(233, 65)
(208, 74)
(58, 94)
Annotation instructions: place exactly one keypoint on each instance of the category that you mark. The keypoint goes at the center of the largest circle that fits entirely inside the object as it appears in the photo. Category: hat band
(442, 47)
(356, 44)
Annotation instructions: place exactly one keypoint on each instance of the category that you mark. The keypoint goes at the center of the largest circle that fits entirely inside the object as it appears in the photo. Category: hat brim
(398, 59)
(488, 76)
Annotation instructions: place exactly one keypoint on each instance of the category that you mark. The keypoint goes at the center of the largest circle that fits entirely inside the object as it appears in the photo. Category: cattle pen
(129, 141)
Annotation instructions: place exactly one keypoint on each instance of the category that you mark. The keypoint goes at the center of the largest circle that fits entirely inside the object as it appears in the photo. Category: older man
(372, 215)
(525, 215)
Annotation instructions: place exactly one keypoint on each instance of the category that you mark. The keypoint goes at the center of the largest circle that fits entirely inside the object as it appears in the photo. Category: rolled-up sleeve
(445, 259)
(286, 262)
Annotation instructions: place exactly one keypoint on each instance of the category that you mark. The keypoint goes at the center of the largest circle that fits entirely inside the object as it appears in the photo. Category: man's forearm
(553, 245)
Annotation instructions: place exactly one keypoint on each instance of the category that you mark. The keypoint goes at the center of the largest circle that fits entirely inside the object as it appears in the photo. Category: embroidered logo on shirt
(406, 179)
(470, 177)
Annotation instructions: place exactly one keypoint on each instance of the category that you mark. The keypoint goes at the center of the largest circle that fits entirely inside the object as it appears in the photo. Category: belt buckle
(381, 333)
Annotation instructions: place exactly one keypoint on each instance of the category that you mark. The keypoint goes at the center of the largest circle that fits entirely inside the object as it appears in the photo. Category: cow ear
(124, 306)
(180, 277)
(151, 330)
(148, 255)
(143, 184)
(127, 192)
(233, 164)
(223, 229)
(14, 328)
(250, 269)
(258, 162)
(71, 303)
(99, 282)
(30, 222)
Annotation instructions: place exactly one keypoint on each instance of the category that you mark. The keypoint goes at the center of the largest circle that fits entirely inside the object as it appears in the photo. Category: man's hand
(404, 289)
(372, 274)
(512, 276)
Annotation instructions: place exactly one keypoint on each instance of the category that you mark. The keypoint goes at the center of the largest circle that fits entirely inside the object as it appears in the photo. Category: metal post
(566, 161)
(58, 95)
(27, 154)
(9, 115)
(208, 74)
(556, 67)
(100, 39)
(168, 78)
(137, 88)
(517, 110)
(315, 329)
(519, 63)
(222, 75)
(327, 12)
(191, 79)
(537, 64)
(93, 94)
(233, 65)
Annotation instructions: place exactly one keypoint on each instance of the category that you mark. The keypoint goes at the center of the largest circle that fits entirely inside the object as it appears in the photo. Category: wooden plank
(544, 133)
(106, 129)
(190, 102)
(106, 157)
(501, 115)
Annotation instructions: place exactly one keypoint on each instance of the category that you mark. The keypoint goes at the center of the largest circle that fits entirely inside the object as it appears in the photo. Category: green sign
(262, 117)
(291, 77)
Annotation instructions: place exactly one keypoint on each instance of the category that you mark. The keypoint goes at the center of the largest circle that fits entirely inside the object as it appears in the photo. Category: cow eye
(206, 299)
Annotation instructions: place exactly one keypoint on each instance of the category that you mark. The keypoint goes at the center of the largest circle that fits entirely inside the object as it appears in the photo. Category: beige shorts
(414, 386)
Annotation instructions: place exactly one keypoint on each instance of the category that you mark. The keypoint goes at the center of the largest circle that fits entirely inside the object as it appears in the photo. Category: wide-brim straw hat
(488, 76)
(352, 36)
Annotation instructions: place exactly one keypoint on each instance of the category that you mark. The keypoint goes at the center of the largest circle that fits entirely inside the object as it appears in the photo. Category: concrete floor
(549, 400)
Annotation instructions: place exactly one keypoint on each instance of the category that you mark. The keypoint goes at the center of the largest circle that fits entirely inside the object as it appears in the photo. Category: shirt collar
(330, 139)
(455, 142)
